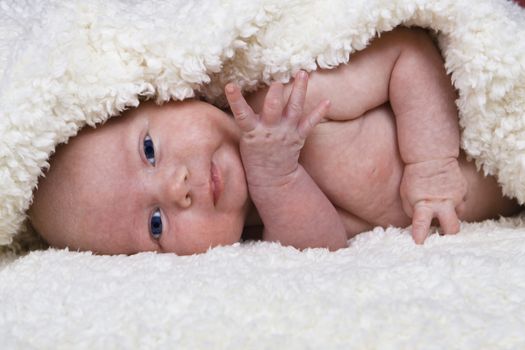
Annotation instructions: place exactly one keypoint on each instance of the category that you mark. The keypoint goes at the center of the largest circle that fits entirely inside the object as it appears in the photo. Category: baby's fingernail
(301, 74)
(230, 88)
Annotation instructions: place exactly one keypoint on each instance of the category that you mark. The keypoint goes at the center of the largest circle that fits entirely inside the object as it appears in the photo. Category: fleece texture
(68, 63)
(383, 292)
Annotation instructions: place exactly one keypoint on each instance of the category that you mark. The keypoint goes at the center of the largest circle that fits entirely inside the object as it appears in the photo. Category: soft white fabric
(383, 292)
(65, 63)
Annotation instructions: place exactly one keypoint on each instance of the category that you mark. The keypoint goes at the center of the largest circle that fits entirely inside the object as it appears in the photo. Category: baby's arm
(422, 99)
(405, 68)
(292, 207)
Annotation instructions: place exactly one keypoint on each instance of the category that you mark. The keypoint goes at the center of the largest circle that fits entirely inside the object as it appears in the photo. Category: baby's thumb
(308, 122)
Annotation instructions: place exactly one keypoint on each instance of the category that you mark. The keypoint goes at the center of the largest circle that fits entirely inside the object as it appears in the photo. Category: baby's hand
(433, 189)
(272, 140)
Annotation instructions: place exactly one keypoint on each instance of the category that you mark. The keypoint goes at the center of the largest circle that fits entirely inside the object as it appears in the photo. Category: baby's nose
(177, 187)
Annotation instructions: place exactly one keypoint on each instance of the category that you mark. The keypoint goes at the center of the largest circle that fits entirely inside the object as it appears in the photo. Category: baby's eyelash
(149, 149)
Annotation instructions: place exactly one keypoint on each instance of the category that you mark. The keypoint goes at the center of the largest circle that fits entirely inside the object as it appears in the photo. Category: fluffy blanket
(455, 292)
(67, 63)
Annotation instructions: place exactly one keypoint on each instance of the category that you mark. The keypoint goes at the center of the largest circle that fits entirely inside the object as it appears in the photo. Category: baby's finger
(243, 113)
(294, 107)
(448, 219)
(421, 222)
(273, 104)
(308, 122)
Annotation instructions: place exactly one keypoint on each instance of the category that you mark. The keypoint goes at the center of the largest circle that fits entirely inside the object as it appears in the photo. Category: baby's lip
(216, 184)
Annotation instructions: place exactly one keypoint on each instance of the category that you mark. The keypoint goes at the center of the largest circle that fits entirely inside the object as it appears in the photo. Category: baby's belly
(357, 165)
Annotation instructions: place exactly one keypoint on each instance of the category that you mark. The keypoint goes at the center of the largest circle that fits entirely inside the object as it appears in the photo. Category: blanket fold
(65, 64)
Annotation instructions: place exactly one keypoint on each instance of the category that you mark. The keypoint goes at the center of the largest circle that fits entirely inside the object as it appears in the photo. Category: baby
(371, 143)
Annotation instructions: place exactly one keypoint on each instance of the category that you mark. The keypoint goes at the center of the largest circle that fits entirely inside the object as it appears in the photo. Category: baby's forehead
(150, 107)
(111, 222)
(81, 194)
(102, 189)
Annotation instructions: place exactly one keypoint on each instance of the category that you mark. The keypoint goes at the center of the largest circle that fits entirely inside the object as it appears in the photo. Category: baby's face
(166, 178)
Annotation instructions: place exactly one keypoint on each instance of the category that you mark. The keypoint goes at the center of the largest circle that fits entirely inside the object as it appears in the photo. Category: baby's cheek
(222, 231)
(207, 241)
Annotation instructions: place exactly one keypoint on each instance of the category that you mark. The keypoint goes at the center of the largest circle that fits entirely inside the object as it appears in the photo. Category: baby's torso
(357, 165)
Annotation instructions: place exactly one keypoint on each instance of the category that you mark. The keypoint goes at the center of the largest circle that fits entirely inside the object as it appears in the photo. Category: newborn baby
(185, 176)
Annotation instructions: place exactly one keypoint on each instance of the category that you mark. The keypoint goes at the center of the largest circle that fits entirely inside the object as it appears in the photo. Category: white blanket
(383, 292)
(65, 63)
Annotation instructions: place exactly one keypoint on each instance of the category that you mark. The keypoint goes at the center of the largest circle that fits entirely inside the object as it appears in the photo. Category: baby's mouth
(216, 183)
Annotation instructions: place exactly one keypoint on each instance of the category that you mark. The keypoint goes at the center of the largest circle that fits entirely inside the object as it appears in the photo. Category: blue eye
(149, 150)
(155, 224)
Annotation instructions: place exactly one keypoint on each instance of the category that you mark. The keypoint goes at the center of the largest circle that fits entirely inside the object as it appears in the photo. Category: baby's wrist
(434, 161)
(261, 179)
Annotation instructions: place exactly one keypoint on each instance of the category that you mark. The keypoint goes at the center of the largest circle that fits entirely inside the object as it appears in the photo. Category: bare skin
(403, 68)
(109, 189)
(342, 170)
